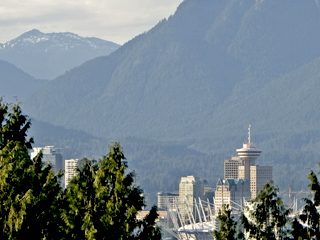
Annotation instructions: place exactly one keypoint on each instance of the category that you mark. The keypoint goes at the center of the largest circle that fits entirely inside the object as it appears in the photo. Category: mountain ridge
(159, 70)
(48, 55)
(15, 83)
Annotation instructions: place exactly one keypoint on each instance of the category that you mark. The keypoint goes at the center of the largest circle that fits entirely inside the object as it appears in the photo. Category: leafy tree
(228, 225)
(28, 190)
(102, 202)
(266, 216)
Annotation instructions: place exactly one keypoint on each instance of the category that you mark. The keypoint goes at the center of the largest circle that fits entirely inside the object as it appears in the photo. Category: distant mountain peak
(32, 32)
(65, 40)
(47, 55)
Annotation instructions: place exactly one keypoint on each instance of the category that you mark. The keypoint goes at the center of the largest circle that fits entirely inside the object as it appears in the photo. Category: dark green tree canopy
(102, 202)
(28, 190)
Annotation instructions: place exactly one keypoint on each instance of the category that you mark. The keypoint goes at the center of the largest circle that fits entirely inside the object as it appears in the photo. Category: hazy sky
(114, 20)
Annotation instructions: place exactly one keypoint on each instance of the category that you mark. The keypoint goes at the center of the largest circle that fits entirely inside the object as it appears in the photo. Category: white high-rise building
(190, 187)
(50, 155)
(70, 166)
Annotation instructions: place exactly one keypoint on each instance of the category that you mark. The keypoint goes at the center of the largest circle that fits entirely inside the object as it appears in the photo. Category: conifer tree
(266, 216)
(228, 225)
(102, 202)
(28, 190)
(310, 215)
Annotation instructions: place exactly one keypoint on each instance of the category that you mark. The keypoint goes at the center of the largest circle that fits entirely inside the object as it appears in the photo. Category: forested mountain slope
(188, 70)
(16, 84)
(200, 77)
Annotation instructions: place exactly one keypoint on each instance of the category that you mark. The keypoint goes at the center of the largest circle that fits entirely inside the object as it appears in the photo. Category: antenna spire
(249, 134)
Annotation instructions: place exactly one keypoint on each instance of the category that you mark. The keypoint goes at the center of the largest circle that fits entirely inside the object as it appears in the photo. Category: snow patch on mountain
(64, 41)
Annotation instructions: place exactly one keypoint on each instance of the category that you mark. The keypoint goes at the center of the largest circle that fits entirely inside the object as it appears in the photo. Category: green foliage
(266, 216)
(102, 202)
(28, 190)
(228, 225)
(310, 216)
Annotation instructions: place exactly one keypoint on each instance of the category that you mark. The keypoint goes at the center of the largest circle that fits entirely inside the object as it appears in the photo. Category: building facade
(231, 167)
(50, 155)
(259, 176)
(70, 166)
(190, 188)
(165, 198)
(232, 192)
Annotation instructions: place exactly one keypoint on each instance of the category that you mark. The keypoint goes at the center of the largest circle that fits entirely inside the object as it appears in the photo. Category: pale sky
(114, 20)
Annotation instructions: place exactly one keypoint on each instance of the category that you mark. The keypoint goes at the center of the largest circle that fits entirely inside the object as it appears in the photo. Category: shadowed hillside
(16, 84)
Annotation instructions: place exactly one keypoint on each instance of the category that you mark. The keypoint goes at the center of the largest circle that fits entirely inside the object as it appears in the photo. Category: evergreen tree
(102, 202)
(228, 225)
(310, 215)
(28, 190)
(266, 216)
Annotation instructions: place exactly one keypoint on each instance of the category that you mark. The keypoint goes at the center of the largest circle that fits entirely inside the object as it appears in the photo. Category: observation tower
(248, 154)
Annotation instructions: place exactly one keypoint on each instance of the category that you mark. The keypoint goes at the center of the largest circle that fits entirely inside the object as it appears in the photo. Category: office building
(232, 192)
(70, 166)
(50, 155)
(259, 176)
(231, 167)
(190, 187)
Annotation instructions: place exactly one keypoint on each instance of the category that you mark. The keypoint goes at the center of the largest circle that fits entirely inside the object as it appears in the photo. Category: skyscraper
(51, 155)
(259, 175)
(231, 167)
(190, 188)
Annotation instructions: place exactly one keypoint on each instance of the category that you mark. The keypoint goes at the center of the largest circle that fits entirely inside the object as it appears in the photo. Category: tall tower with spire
(248, 154)
(244, 166)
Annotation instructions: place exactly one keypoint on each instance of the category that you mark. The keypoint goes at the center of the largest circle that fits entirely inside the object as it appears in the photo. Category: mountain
(199, 78)
(74, 143)
(47, 55)
(16, 84)
(184, 74)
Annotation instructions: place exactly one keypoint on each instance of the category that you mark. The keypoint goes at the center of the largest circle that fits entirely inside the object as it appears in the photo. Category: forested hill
(208, 66)
(15, 84)
(202, 76)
